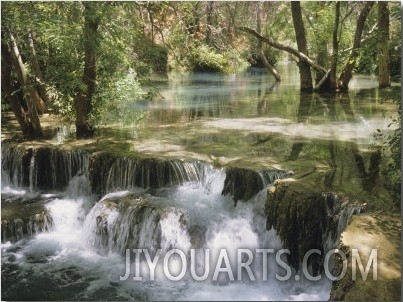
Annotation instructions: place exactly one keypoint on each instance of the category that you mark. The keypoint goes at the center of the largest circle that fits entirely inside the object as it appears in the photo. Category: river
(79, 249)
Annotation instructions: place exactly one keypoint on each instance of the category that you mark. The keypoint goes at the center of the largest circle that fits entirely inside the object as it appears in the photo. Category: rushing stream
(77, 244)
(81, 256)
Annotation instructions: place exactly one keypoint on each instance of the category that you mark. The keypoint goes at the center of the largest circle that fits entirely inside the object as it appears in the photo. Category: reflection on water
(202, 96)
(208, 113)
(254, 121)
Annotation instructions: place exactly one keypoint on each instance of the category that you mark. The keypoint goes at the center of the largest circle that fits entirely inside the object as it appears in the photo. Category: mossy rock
(21, 217)
(307, 218)
(244, 183)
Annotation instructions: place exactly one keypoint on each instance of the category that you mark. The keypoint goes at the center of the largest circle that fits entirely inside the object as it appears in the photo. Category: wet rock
(243, 183)
(307, 218)
(22, 217)
(134, 221)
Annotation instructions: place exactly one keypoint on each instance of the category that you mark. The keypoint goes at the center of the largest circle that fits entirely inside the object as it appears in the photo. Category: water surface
(244, 120)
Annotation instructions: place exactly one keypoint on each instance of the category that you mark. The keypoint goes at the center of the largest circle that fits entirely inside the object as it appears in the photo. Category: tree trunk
(347, 72)
(304, 68)
(36, 68)
(83, 99)
(383, 44)
(30, 93)
(209, 22)
(151, 18)
(333, 68)
(8, 93)
(269, 67)
(26, 83)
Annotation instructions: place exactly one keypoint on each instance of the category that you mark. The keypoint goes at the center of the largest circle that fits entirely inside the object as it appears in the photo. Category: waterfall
(76, 241)
(53, 168)
(13, 161)
(40, 167)
(126, 173)
(32, 173)
(244, 183)
(123, 220)
(342, 213)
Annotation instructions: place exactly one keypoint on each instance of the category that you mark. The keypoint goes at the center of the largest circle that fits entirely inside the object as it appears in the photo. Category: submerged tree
(347, 72)
(300, 36)
(307, 64)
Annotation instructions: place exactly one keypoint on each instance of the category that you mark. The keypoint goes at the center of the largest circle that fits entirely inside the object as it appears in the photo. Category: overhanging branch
(285, 48)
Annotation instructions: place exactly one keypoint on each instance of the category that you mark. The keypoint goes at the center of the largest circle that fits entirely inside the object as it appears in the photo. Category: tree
(383, 45)
(36, 70)
(18, 82)
(347, 72)
(304, 67)
(209, 22)
(31, 95)
(9, 94)
(265, 61)
(306, 63)
(333, 82)
(83, 99)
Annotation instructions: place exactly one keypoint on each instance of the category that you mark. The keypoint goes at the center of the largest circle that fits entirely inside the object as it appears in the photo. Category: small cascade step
(23, 217)
(123, 221)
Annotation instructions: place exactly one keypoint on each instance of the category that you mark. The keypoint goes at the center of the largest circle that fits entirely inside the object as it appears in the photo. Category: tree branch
(285, 48)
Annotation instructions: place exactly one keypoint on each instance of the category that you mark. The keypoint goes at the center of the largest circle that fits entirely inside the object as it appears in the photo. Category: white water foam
(70, 246)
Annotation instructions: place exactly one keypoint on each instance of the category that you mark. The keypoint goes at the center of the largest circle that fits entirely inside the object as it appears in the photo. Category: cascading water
(83, 253)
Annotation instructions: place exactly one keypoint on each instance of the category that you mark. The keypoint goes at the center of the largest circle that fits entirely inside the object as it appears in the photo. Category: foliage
(366, 62)
(154, 57)
(116, 101)
(393, 152)
(395, 45)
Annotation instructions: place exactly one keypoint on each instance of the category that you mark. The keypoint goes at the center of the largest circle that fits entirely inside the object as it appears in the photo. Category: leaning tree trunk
(31, 94)
(25, 81)
(347, 72)
(83, 99)
(36, 68)
(304, 68)
(383, 44)
(8, 93)
(301, 56)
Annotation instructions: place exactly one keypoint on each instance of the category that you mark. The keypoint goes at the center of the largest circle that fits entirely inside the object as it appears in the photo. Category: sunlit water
(207, 114)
